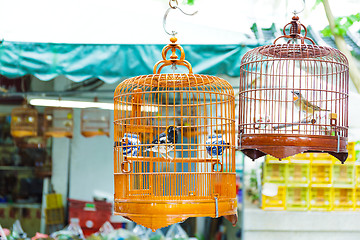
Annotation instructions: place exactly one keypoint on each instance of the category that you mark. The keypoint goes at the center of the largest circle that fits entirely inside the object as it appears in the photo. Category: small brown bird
(306, 106)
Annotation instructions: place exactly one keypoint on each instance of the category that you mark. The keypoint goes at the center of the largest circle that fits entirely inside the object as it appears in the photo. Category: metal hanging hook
(303, 8)
(174, 5)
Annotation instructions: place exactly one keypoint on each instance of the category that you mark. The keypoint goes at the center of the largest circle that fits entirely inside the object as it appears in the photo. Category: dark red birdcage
(293, 98)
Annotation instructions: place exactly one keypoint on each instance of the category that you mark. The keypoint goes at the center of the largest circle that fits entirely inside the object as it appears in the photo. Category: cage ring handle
(217, 163)
(295, 31)
(174, 59)
(302, 38)
(129, 167)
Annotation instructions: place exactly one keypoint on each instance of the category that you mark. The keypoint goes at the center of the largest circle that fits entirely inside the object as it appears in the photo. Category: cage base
(58, 134)
(94, 133)
(159, 214)
(282, 146)
(23, 133)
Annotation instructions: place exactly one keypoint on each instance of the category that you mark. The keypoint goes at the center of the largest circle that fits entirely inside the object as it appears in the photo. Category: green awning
(110, 62)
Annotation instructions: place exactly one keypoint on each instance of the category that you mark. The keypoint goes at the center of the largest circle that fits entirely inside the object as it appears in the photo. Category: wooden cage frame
(293, 98)
(58, 131)
(95, 126)
(24, 122)
(158, 189)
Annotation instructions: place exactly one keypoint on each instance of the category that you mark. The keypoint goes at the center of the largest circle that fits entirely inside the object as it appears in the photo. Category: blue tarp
(110, 62)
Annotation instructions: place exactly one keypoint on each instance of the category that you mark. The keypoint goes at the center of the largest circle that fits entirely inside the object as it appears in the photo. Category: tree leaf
(316, 4)
(340, 27)
(341, 30)
(326, 32)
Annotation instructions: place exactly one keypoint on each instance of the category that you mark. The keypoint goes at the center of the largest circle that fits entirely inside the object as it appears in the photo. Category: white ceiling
(140, 21)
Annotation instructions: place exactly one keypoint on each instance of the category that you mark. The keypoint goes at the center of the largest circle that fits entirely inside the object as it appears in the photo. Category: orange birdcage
(293, 98)
(24, 122)
(162, 173)
(58, 122)
(95, 122)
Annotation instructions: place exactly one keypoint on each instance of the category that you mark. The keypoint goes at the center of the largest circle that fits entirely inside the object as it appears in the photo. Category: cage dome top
(294, 50)
(175, 80)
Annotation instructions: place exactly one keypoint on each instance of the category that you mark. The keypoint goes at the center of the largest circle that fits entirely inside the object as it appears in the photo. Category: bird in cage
(130, 145)
(304, 105)
(165, 142)
(215, 145)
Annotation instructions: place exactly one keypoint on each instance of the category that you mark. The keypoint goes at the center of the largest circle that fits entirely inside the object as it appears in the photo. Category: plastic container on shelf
(140, 231)
(344, 174)
(54, 216)
(275, 172)
(357, 199)
(302, 156)
(343, 199)
(351, 152)
(2, 234)
(321, 173)
(53, 200)
(271, 159)
(297, 198)
(276, 202)
(91, 215)
(176, 232)
(322, 157)
(298, 173)
(72, 231)
(357, 174)
(321, 198)
(155, 235)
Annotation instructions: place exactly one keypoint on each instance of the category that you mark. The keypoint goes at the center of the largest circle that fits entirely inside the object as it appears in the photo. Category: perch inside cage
(24, 122)
(163, 174)
(95, 122)
(58, 122)
(293, 98)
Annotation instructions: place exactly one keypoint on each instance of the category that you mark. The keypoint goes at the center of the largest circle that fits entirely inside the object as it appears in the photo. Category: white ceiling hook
(303, 8)
(173, 33)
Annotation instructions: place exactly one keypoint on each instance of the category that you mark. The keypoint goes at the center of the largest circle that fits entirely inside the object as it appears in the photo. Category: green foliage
(190, 2)
(342, 25)
(316, 4)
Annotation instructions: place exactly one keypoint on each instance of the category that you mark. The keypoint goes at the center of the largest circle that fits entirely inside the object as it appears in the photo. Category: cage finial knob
(173, 39)
(295, 29)
(173, 54)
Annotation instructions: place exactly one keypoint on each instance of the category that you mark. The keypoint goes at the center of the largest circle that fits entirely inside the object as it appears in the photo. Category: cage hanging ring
(171, 2)
(129, 167)
(217, 169)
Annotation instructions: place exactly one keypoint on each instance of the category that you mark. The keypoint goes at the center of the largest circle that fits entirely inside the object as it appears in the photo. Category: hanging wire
(173, 6)
(303, 8)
